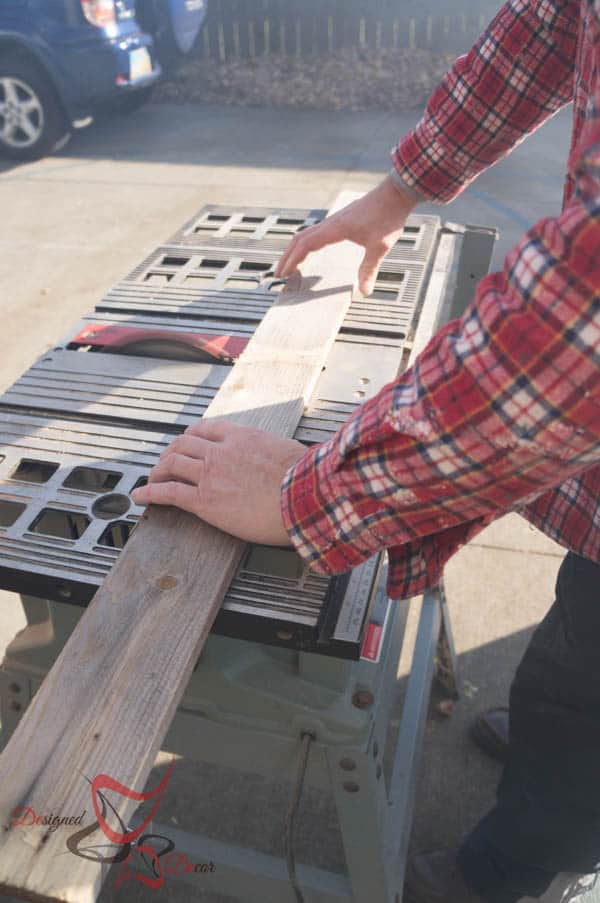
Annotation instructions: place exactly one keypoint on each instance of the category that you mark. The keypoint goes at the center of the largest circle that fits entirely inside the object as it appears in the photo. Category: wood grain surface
(106, 705)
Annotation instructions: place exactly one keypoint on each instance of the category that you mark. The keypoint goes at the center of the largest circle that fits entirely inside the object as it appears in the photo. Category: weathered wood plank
(107, 703)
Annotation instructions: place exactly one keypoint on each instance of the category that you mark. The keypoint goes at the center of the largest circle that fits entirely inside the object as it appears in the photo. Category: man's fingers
(197, 439)
(213, 430)
(177, 467)
(295, 254)
(192, 446)
(369, 268)
(282, 268)
(172, 493)
(312, 239)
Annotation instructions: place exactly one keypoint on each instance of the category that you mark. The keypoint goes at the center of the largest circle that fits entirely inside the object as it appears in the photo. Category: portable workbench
(299, 675)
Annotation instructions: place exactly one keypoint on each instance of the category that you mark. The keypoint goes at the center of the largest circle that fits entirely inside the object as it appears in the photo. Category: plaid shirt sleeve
(501, 405)
(518, 73)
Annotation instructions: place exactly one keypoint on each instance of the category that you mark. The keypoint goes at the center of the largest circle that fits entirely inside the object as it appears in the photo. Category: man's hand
(375, 221)
(228, 475)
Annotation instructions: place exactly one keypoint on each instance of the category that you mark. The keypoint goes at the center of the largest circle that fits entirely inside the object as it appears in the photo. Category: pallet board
(107, 703)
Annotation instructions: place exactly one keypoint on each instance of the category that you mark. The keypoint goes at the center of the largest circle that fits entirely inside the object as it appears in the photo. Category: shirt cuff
(414, 566)
(310, 492)
(414, 171)
(400, 180)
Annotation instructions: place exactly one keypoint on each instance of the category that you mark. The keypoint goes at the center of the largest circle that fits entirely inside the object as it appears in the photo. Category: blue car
(61, 60)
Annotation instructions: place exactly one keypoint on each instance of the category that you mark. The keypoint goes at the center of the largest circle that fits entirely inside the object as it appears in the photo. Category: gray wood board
(107, 703)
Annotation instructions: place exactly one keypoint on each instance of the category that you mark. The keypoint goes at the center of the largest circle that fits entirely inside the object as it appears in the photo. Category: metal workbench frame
(375, 821)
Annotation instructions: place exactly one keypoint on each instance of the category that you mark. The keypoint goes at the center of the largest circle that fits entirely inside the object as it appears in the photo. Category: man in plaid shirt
(501, 412)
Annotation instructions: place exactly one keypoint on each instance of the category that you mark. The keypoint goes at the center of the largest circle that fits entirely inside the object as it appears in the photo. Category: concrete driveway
(74, 223)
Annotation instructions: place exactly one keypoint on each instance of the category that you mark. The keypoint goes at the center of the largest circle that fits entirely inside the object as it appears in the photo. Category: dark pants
(547, 815)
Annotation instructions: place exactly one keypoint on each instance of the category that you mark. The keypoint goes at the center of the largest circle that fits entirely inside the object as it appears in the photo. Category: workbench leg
(359, 789)
(30, 655)
(407, 757)
(446, 668)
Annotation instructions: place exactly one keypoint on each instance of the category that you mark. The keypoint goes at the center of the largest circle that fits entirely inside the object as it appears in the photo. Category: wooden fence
(246, 28)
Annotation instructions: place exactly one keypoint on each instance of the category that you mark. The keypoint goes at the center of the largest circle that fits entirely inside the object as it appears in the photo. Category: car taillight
(101, 13)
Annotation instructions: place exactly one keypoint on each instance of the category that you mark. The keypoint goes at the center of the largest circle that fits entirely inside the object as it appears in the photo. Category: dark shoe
(568, 888)
(435, 877)
(490, 732)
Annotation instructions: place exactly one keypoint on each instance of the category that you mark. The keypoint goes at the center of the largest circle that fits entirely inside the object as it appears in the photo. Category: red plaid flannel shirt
(501, 411)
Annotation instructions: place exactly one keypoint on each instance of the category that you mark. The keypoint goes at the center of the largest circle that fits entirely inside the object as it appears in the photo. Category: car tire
(32, 121)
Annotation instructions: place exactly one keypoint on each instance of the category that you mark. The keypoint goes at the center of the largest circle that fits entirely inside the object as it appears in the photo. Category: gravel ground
(396, 80)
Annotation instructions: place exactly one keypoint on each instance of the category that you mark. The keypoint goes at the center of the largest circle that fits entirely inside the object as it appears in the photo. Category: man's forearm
(518, 74)
(500, 406)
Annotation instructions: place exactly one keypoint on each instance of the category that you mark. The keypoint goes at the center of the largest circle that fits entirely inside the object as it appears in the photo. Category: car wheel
(32, 122)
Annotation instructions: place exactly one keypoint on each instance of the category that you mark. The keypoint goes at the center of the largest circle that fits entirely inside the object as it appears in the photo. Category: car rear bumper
(100, 70)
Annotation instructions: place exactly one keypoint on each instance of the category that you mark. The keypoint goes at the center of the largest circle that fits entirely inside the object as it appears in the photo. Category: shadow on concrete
(236, 136)
(235, 143)
(455, 788)
(7, 165)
